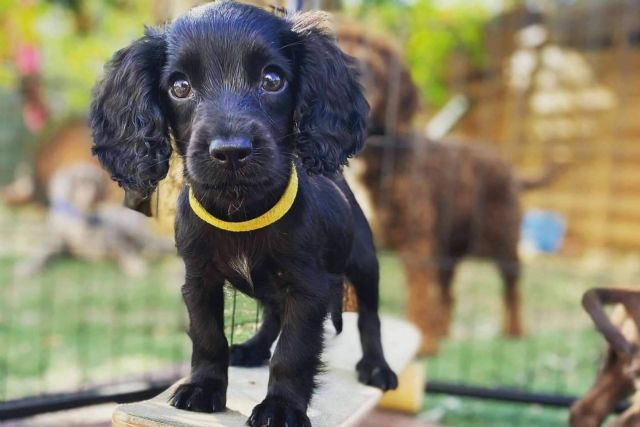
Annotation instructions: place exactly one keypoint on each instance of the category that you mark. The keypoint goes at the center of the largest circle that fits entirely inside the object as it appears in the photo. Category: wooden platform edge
(247, 386)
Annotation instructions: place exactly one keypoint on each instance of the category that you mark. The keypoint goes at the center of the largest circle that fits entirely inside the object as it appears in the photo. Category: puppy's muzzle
(232, 153)
(138, 202)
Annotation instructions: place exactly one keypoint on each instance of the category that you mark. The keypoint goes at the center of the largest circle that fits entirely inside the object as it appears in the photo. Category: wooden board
(339, 401)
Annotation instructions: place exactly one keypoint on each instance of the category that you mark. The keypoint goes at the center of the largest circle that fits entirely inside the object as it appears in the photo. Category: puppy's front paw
(274, 412)
(248, 355)
(376, 374)
(210, 396)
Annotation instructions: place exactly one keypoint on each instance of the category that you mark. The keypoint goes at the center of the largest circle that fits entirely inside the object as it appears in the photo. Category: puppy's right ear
(130, 132)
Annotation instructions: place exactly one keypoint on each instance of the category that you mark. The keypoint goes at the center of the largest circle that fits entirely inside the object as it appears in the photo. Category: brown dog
(618, 377)
(436, 203)
(433, 202)
(393, 97)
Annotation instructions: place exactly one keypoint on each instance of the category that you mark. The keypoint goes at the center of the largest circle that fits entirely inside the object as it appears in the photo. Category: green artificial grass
(79, 323)
(559, 353)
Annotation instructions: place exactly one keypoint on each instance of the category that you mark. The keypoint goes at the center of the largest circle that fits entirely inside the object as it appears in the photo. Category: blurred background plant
(433, 34)
(51, 52)
(70, 41)
(50, 55)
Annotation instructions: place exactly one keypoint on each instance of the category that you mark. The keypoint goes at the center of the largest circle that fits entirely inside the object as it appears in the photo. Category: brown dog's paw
(512, 329)
(277, 413)
(248, 355)
(376, 374)
(206, 397)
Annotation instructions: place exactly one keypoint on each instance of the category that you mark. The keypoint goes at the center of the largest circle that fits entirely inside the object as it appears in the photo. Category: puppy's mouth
(249, 174)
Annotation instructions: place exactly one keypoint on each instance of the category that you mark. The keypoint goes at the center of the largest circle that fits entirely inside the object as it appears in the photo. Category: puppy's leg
(372, 368)
(296, 359)
(207, 386)
(257, 350)
(363, 272)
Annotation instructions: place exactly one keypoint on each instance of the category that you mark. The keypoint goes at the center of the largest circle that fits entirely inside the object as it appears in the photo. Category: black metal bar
(31, 406)
(507, 395)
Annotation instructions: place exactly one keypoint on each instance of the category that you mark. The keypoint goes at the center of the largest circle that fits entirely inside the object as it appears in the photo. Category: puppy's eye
(180, 88)
(272, 80)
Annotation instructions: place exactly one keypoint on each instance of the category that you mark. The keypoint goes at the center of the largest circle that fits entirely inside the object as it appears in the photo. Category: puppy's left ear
(130, 132)
(331, 111)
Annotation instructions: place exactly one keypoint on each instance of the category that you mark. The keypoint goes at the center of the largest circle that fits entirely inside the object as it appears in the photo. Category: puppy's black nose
(232, 152)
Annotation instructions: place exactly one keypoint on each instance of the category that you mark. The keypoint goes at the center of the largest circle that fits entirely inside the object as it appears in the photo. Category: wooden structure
(618, 379)
(339, 401)
(563, 85)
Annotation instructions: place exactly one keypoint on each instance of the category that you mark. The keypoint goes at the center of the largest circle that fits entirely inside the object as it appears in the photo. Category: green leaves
(71, 61)
(432, 35)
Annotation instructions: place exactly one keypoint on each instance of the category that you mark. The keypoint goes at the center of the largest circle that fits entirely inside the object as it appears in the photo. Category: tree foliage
(432, 33)
(71, 57)
(76, 37)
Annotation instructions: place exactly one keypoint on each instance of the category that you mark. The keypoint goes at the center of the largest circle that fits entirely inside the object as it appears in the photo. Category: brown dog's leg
(510, 271)
(446, 273)
(417, 252)
(423, 301)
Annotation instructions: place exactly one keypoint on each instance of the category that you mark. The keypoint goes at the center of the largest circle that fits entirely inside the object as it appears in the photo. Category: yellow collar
(272, 215)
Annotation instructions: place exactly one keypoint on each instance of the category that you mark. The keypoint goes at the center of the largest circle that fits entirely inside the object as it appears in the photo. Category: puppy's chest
(242, 265)
(253, 274)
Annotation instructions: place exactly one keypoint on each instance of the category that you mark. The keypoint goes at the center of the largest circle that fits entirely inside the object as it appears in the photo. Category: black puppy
(265, 111)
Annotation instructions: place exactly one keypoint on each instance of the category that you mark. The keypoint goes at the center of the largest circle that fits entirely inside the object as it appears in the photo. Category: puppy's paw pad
(248, 355)
(276, 413)
(199, 398)
(377, 374)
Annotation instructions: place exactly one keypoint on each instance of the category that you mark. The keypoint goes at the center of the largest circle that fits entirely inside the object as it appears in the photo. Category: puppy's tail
(336, 305)
(336, 319)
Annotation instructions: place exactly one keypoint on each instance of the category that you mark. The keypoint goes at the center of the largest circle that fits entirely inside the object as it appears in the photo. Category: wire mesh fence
(79, 324)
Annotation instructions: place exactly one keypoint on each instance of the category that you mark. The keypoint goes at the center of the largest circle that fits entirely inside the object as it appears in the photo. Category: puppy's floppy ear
(130, 132)
(331, 111)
